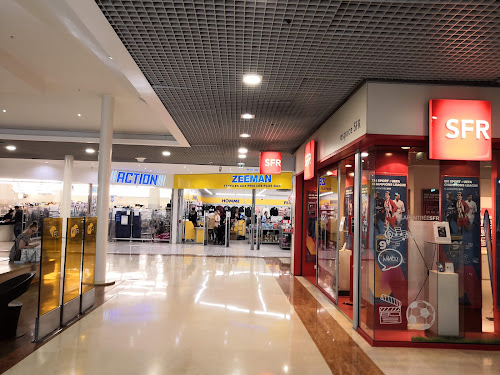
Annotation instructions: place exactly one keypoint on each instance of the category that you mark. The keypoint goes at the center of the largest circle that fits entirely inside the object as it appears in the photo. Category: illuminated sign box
(233, 181)
(309, 160)
(137, 178)
(270, 162)
(460, 130)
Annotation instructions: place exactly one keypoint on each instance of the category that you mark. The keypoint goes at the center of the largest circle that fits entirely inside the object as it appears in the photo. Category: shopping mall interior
(249, 187)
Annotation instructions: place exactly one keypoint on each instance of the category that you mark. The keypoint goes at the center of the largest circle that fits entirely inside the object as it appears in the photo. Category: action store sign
(309, 156)
(460, 129)
(270, 162)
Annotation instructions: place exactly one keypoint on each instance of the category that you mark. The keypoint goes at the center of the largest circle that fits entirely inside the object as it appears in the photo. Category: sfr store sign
(460, 129)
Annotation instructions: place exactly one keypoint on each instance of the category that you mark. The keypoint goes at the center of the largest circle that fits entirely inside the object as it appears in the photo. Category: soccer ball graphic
(420, 315)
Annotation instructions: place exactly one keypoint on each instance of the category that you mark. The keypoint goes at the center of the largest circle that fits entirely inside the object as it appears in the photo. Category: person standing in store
(18, 221)
(264, 217)
(8, 216)
(193, 216)
(23, 242)
(217, 218)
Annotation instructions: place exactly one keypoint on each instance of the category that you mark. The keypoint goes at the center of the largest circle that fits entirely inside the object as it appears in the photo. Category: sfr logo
(480, 127)
(460, 130)
(308, 160)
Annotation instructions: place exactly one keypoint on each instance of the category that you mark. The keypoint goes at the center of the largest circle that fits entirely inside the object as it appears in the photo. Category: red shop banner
(309, 160)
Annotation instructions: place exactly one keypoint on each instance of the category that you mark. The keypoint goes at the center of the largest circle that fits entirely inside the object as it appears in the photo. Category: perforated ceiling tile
(311, 55)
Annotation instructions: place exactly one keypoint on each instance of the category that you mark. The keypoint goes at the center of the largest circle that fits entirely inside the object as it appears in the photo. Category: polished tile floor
(236, 248)
(185, 314)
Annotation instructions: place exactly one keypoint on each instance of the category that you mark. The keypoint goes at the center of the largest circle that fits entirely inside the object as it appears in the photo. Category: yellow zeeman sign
(233, 181)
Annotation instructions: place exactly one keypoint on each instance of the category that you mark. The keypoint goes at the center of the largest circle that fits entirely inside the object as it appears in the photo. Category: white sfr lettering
(272, 162)
(481, 127)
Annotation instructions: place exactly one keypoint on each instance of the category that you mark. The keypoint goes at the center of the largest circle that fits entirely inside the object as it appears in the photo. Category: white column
(66, 207)
(103, 181)
(175, 216)
(154, 197)
(66, 193)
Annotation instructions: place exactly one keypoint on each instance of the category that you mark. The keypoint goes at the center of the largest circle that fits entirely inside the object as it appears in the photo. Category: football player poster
(389, 198)
(460, 208)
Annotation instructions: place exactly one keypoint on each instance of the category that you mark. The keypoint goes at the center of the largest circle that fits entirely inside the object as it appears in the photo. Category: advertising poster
(391, 247)
(460, 208)
(349, 216)
(430, 204)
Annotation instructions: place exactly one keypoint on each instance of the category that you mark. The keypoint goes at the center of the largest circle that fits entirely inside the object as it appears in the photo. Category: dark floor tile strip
(341, 353)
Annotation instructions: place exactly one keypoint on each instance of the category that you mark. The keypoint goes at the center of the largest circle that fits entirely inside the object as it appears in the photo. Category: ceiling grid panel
(311, 56)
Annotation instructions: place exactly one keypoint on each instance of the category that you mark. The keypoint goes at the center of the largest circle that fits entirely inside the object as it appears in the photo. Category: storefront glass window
(327, 232)
(426, 257)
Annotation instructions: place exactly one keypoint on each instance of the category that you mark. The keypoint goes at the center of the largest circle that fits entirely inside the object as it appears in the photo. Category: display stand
(443, 295)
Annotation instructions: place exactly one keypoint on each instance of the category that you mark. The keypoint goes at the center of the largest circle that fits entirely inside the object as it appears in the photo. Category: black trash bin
(9, 308)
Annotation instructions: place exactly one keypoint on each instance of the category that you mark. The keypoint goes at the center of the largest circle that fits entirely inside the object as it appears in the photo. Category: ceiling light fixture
(329, 173)
(252, 79)
(242, 156)
(11, 148)
(244, 135)
(208, 191)
(79, 115)
(364, 154)
(166, 153)
(348, 165)
(110, 58)
(89, 150)
(242, 150)
(247, 116)
(405, 147)
(4, 110)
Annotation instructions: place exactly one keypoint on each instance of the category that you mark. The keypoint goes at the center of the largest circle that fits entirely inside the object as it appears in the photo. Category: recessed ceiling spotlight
(166, 153)
(405, 147)
(242, 156)
(252, 79)
(348, 165)
(89, 150)
(247, 116)
(364, 154)
(11, 148)
(245, 135)
(110, 58)
(4, 110)
(242, 150)
(79, 115)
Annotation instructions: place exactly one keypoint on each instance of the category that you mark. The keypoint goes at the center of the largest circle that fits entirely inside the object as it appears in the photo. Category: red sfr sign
(309, 159)
(270, 162)
(459, 129)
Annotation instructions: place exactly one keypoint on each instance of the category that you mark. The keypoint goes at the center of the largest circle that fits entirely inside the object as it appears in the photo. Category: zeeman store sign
(233, 181)
(137, 178)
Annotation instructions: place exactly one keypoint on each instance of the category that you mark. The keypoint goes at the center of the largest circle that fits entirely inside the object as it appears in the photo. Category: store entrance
(336, 233)
(223, 217)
